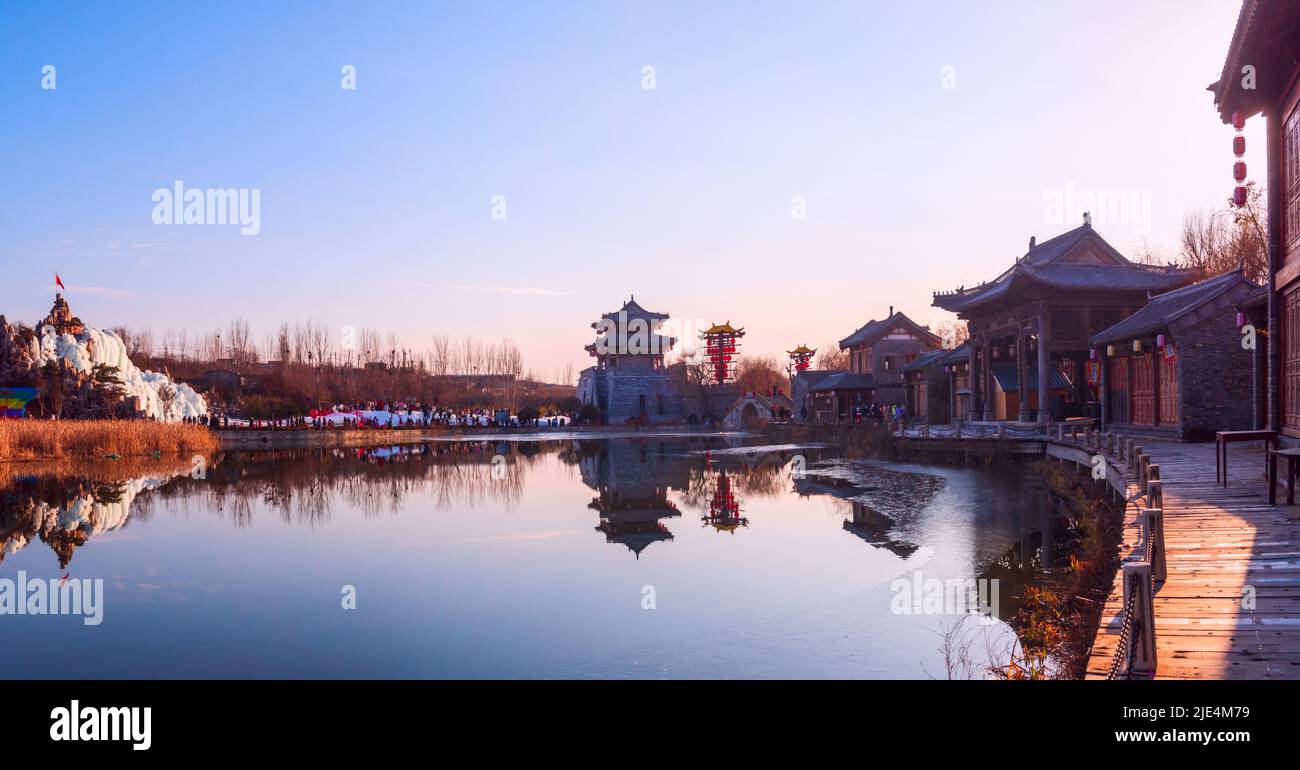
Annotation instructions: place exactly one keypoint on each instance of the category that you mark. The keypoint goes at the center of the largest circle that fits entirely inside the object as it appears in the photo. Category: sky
(512, 169)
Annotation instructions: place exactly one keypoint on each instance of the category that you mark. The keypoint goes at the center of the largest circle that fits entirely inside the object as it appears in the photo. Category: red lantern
(1238, 120)
(1239, 196)
(1239, 146)
(1239, 171)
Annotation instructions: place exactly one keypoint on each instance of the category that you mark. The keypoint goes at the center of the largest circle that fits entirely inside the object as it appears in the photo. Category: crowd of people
(380, 414)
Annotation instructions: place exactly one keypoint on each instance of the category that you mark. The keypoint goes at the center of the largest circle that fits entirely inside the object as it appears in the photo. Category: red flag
(59, 282)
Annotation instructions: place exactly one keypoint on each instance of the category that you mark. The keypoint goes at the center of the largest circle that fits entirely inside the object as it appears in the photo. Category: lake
(656, 556)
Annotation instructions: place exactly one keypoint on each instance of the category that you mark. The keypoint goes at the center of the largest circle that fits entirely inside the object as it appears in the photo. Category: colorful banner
(13, 401)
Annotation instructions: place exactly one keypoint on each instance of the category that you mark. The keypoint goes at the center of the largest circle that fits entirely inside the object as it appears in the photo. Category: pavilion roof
(872, 331)
(1079, 259)
(804, 349)
(633, 310)
(1163, 309)
(722, 328)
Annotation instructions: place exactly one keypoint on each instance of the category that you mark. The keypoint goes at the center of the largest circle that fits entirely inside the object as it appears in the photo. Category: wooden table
(1225, 437)
(1291, 455)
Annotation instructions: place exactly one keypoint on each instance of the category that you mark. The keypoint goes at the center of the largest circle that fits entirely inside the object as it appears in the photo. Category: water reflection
(509, 541)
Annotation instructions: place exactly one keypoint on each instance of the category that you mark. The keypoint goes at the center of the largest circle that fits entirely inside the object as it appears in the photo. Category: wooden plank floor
(1220, 543)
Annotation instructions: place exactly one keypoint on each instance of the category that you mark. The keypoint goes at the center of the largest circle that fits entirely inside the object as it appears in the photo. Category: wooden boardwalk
(1223, 545)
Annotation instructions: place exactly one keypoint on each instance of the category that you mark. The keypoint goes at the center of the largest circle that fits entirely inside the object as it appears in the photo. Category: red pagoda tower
(724, 508)
(720, 345)
(801, 358)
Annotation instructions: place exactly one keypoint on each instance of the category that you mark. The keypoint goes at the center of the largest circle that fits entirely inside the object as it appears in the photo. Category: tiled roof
(873, 330)
(958, 355)
(930, 358)
(1163, 309)
(1048, 264)
(1005, 374)
(845, 381)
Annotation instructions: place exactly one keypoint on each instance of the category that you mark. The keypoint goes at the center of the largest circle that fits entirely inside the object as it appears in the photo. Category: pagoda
(630, 383)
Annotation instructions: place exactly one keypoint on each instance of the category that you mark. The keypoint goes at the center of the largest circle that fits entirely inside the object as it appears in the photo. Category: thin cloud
(528, 291)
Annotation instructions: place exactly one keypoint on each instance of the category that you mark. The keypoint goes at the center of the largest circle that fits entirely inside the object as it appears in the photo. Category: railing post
(1060, 431)
(1143, 459)
(1142, 639)
(1155, 494)
(926, 430)
(1153, 474)
(1000, 427)
(1154, 521)
(1128, 452)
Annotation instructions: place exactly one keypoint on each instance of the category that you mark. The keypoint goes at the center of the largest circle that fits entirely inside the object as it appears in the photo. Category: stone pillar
(1022, 375)
(1044, 369)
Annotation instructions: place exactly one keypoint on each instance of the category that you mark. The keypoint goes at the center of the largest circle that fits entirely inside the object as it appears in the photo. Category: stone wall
(1215, 377)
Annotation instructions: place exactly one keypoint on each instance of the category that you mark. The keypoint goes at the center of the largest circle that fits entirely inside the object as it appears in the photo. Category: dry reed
(97, 439)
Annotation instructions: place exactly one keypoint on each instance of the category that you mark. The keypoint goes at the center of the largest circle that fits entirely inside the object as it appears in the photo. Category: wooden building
(938, 386)
(878, 351)
(1261, 76)
(1040, 314)
(1176, 367)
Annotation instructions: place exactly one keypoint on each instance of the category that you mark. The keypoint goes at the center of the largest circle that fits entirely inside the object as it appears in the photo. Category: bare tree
(831, 357)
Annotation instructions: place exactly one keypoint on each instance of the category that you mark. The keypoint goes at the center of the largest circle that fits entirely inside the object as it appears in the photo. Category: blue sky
(376, 202)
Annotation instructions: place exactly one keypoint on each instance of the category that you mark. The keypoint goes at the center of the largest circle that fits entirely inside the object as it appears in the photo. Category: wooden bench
(1291, 456)
(1224, 437)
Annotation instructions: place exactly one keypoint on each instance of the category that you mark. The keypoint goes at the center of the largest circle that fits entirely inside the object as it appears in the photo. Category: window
(1143, 394)
(1168, 389)
(661, 405)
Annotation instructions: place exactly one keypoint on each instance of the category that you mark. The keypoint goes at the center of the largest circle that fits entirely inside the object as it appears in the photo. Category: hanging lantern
(1092, 354)
(1239, 168)
(1241, 319)
(1137, 346)
(1160, 340)
(1110, 351)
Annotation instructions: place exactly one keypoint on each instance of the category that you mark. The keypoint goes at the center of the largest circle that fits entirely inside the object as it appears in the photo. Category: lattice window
(1143, 394)
(1291, 358)
(1168, 389)
(1291, 183)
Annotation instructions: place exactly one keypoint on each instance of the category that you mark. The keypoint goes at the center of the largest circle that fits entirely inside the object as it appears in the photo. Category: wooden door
(1118, 406)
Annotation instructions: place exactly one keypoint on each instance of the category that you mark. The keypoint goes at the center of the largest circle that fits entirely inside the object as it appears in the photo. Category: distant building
(630, 381)
(878, 351)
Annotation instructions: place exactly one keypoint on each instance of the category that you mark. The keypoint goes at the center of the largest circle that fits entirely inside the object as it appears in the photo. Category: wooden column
(1022, 375)
(953, 417)
(1044, 368)
(1103, 392)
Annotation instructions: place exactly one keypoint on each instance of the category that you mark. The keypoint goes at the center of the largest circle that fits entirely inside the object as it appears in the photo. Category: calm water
(521, 559)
